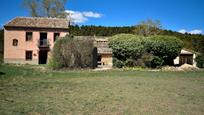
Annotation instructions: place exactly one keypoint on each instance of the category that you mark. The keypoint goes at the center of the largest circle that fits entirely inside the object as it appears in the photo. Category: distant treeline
(192, 41)
(99, 30)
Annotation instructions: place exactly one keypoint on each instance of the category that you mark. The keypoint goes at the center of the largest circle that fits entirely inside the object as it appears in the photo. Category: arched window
(15, 42)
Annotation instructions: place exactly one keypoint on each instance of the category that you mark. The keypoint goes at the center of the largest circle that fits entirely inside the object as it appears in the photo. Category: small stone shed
(185, 57)
(104, 53)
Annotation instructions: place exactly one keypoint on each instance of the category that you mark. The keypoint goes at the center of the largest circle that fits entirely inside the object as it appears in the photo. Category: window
(56, 35)
(29, 55)
(29, 36)
(15, 42)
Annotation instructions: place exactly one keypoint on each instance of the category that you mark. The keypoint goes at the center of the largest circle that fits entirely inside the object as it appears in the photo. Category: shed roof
(38, 22)
(185, 52)
(104, 50)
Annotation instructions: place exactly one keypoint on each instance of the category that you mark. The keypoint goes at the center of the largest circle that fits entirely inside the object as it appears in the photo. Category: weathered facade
(30, 40)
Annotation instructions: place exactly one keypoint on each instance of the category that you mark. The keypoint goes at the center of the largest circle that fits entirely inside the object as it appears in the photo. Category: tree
(45, 8)
(32, 6)
(165, 47)
(126, 46)
(200, 60)
(152, 51)
(148, 27)
(72, 52)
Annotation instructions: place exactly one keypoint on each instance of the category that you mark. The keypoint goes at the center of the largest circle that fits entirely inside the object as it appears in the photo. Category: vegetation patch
(151, 51)
(200, 60)
(71, 52)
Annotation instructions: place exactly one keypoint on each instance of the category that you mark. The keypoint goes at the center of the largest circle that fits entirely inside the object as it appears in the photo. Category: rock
(187, 67)
(169, 68)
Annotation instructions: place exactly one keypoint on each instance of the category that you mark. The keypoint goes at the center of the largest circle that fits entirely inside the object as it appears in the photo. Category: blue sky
(177, 15)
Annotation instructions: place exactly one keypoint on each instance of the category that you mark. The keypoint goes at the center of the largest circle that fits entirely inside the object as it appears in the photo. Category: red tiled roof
(38, 22)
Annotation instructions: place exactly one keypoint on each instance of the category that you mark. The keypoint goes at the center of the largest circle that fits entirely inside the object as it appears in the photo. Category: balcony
(43, 43)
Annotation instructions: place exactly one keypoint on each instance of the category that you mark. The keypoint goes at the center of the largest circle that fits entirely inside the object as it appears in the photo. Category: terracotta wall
(16, 54)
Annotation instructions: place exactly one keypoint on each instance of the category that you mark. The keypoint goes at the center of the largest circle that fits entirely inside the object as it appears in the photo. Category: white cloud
(76, 16)
(196, 31)
(81, 17)
(182, 31)
(92, 14)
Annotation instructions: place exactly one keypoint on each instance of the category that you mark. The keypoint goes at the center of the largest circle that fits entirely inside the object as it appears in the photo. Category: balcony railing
(43, 43)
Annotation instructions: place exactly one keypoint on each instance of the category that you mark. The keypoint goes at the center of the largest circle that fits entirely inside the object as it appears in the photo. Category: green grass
(33, 90)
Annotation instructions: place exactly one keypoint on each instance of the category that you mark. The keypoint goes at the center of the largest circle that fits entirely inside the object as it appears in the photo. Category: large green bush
(165, 47)
(126, 46)
(200, 60)
(157, 62)
(71, 52)
(130, 63)
(118, 63)
(152, 51)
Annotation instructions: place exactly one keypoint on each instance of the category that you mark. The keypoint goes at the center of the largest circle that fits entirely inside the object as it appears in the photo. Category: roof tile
(38, 22)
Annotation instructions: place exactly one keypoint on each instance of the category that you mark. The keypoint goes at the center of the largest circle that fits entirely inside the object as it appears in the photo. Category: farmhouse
(30, 40)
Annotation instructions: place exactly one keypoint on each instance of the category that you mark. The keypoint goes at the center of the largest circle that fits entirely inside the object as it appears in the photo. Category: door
(43, 57)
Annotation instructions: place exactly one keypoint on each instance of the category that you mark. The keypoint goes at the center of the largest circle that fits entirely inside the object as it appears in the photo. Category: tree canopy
(126, 46)
(145, 51)
(72, 52)
(45, 8)
(148, 28)
(165, 47)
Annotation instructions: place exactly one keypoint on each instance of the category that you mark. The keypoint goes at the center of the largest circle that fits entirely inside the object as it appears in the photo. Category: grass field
(27, 90)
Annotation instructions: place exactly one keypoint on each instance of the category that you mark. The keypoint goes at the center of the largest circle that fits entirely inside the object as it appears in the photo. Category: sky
(177, 15)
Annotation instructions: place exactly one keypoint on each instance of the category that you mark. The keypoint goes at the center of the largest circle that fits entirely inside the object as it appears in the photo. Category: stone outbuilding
(104, 53)
(185, 57)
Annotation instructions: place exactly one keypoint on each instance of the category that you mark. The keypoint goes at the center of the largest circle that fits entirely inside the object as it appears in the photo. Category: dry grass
(24, 90)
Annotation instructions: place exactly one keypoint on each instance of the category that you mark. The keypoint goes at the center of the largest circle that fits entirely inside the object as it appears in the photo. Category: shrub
(71, 52)
(140, 63)
(141, 50)
(130, 63)
(53, 63)
(157, 62)
(200, 60)
(118, 63)
(165, 47)
(126, 46)
(147, 58)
